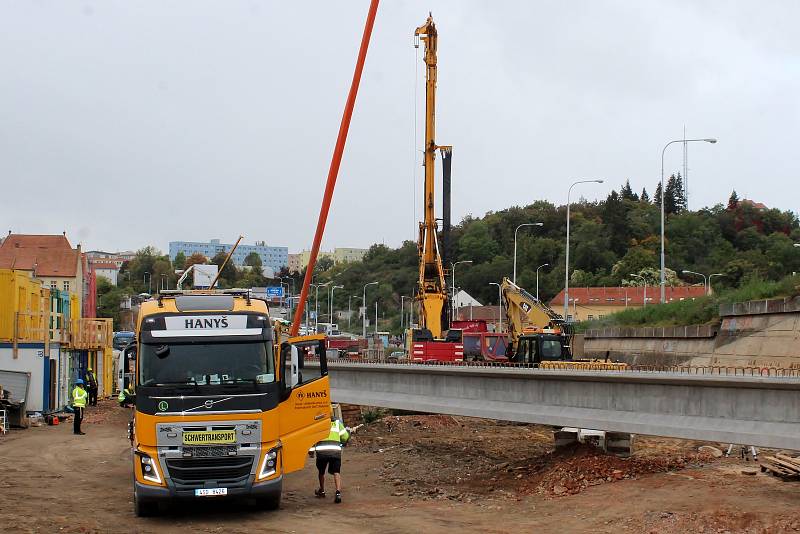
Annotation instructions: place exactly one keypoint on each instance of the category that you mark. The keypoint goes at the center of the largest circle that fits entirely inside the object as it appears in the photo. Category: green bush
(370, 415)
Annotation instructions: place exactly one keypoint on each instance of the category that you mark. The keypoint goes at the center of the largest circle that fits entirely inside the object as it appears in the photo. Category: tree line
(610, 239)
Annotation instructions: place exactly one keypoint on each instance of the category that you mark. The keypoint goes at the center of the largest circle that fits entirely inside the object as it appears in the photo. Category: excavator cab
(532, 349)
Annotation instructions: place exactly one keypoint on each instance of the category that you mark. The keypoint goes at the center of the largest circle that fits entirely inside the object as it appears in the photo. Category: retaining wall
(763, 333)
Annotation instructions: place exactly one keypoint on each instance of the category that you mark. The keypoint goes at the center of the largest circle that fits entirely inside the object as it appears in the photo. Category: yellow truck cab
(223, 408)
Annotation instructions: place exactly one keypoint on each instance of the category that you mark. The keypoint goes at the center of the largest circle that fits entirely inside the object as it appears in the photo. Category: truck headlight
(270, 463)
(149, 468)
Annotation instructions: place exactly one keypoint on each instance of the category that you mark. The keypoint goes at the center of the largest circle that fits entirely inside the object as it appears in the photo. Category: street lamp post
(514, 277)
(705, 281)
(710, 277)
(644, 283)
(364, 304)
(499, 302)
(330, 302)
(316, 304)
(149, 278)
(537, 278)
(453, 286)
(316, 293)
(663, 259)
(566, 264)
(349, 309)
(402, 312)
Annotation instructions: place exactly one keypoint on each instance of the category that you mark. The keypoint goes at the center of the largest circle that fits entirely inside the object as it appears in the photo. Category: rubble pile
(467, 459)
(571, 470)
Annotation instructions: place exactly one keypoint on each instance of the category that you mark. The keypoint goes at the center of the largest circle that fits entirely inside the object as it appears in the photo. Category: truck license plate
(210, 492)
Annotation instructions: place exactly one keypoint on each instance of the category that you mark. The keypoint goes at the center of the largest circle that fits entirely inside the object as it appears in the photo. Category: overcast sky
(128, 123)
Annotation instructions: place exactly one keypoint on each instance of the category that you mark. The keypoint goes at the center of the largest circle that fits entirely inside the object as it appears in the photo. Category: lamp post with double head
(566, 263)
(663, 187)
(514, 277)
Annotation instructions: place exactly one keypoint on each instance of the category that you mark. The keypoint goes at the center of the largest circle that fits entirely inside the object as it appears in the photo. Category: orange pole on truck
(333, 172)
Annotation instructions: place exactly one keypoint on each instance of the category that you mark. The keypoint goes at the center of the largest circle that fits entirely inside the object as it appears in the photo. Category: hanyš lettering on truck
(311, 399)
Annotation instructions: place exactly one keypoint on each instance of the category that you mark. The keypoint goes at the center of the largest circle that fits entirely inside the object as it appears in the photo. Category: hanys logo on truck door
(311, 399)
(206, 325)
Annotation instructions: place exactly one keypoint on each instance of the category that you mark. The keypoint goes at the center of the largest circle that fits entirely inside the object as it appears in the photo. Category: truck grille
(209, 451)
(188, 473)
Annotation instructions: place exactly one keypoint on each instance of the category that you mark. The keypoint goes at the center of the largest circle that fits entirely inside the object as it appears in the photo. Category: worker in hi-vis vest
(79, 398)
(126, 397)
(329, 454)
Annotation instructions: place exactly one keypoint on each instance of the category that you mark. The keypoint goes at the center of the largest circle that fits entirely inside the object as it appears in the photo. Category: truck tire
(144, 509)
(271, 501)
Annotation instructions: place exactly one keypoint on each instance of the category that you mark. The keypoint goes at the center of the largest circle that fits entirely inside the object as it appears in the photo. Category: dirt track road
(53, 481)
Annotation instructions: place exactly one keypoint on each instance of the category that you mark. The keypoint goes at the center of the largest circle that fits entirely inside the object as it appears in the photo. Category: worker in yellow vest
(126, 397)
(79, 398)
(329, 454)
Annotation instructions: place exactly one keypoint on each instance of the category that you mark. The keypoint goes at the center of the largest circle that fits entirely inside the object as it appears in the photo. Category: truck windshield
(206, 363)
(551, 349)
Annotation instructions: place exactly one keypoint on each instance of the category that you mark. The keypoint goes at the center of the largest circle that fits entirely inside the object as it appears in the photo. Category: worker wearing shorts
(329, 456)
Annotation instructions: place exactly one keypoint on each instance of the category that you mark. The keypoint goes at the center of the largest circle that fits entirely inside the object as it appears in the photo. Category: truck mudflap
(147, 493)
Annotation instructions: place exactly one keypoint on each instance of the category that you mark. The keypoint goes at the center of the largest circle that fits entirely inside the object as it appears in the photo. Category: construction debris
(469, 460)
(782, 466)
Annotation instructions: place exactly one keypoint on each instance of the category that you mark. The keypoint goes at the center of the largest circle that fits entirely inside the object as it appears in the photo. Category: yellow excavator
(539, 336)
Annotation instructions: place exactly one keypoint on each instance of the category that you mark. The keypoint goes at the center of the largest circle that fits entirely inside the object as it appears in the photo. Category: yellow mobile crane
(431, 294)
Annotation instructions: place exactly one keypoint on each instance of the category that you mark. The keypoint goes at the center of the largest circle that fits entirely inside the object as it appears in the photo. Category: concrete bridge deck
(762, 411)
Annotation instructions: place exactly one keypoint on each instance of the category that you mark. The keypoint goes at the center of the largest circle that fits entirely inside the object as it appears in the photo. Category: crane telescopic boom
(432, 290)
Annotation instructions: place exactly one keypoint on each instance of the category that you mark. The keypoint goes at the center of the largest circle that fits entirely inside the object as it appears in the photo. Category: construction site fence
(606, 367)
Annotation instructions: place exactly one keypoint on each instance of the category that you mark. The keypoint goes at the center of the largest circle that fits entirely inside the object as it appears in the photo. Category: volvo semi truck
(223, 408)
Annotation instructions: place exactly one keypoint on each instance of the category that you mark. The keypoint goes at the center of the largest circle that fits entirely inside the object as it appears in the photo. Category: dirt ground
(408, 474)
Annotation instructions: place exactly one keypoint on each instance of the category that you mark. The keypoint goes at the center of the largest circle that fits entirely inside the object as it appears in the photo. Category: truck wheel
(270, 502)
(143, 509)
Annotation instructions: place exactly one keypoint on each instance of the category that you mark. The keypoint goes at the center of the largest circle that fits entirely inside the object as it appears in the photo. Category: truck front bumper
(147, 493)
